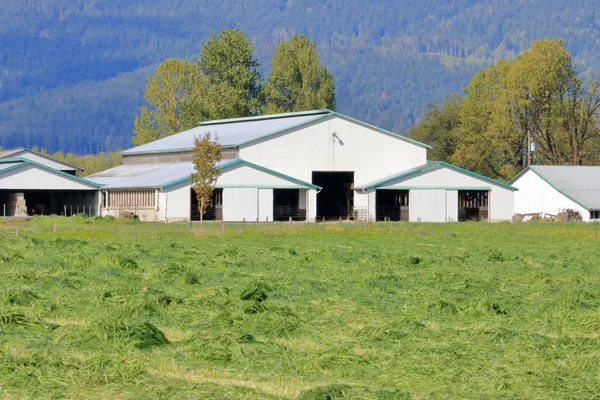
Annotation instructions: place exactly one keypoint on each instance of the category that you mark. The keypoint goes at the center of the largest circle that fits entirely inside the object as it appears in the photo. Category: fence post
(4, 210)
(94, 223)
(115, 227)
(391, 226)
(35, 227)
(65, 210)
(155, 230)
(223, 226)
(18, 231)
(244, 224)
(134, 231)
(419, 231)
(595, 233)
(290, 223)
(54, 226)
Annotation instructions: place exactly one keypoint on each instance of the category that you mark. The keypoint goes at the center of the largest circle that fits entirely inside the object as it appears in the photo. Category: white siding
(535, 195)
(265, 205)
(31, 177)
(178, 202)
(369, 153)
(451, 205)
(247, 176)
(239, 204)
(427, 205)
(501, 199)
(44, 161)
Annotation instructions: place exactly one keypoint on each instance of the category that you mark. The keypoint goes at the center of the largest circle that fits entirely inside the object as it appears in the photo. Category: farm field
(103, 309)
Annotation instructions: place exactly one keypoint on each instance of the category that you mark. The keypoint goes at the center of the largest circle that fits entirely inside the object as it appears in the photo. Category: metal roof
(579, 183)
(431, 166)
(231, 133)
(237, 131)
(142, 175)
(24, 153)
(162, 175)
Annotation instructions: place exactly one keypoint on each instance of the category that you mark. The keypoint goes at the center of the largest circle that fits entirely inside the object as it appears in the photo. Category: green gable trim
(264, 117)
(262, 187)
(480, 188)
(25, 162)
(301, 183)
(548, 182)
(286, 129)
(381, 130)
(433, 166)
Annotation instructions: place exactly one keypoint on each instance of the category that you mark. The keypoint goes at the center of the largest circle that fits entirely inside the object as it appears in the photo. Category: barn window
(595, 214)
(131, 198)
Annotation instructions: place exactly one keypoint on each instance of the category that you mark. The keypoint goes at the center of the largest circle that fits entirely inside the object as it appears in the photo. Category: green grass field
(324, 311)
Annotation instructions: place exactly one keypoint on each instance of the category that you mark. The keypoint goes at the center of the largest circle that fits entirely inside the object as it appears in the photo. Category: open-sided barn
(305, 166)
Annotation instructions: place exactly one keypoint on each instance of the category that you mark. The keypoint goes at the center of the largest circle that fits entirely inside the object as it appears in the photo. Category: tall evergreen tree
(298, 81)
(227, 60)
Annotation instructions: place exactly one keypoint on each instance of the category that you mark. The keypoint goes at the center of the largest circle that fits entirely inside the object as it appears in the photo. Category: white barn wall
(265, 205)
(239, 204)
(451, 206)
(244, 175)
(427, 205)
(313, 148)
(536, 195)
(501, 200)
(177, 202)
(44, 161)
(31, 177)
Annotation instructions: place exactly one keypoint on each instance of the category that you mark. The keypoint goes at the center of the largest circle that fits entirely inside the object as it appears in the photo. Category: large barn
(307, 166)
(552, 189)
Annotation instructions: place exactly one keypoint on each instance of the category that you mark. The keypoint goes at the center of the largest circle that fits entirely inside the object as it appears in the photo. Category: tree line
(225, 82)
(535, 108)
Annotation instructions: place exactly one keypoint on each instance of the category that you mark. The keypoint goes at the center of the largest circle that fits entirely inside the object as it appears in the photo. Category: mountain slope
(71, 72)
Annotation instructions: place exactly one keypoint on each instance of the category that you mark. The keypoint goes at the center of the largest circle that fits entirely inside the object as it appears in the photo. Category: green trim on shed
(25, 161)
(433, 166)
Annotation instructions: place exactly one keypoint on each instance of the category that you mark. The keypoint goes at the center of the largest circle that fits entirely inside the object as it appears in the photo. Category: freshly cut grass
(315, 312)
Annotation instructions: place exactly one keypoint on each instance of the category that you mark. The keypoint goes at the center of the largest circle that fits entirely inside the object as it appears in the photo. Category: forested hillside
(72, 72)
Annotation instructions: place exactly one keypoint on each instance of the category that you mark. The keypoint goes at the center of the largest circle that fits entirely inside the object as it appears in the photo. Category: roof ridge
(264, 117)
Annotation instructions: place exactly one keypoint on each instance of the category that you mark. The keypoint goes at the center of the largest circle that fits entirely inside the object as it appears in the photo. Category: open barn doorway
(336, 200)
(391, 205)
(286, 205)
(473, 205)
(214, 212)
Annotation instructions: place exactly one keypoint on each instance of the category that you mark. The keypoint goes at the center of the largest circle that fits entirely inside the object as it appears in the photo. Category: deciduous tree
(207, 155)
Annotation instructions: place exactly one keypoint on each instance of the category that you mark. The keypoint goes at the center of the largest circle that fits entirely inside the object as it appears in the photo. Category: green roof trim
(239, 161)
(548, 182)
(367, 125)
(292, 127)
(480, 188)
(433, 166)
(25, 161)
(263, 117)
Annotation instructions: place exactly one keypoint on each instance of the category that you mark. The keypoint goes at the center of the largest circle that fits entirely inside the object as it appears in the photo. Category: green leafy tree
(175, 94)
(536, 97)
(436, 128)
(207, 154)
(227, 61)
(298, 82)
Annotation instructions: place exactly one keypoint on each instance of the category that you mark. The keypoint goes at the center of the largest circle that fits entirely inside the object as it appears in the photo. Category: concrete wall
(366, 151)
(535, 195)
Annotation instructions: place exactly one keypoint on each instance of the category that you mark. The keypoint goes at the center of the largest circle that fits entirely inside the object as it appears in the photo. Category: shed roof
(163, 175)
(237, 131)
(24, 152)
(431, 166)
(579, 183)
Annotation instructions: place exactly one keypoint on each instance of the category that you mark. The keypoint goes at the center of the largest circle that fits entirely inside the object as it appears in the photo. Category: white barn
(305, 166)
(32, 184)
(549, 189)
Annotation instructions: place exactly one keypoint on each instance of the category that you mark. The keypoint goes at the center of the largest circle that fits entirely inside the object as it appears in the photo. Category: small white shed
(440, 192)
(550, 189)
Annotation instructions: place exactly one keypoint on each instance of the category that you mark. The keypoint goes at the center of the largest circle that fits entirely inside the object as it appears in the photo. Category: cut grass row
(325, 311)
